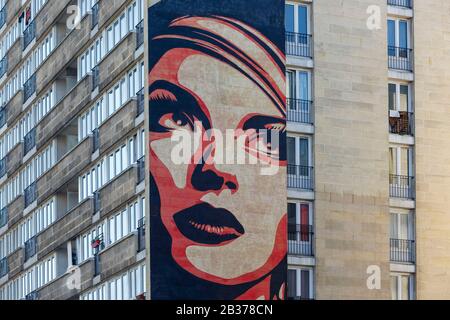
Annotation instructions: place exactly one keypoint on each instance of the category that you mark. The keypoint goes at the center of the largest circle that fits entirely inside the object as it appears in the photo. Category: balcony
(400, 58)
(140, 34)
(94, 17)
(401, 186)
(141, 235)
(300, 240)
(299, 111)
(140, 102)
(4, 267)
(300, 177)
(30, 248)
(4, 66)
(29, 141)
(30, 194)
(401, 123)
(3, 217)
(29, 88)
(298, 44)
(400, 3)
(141, 170)
(403, 250)
(3, 17)
(29, 35)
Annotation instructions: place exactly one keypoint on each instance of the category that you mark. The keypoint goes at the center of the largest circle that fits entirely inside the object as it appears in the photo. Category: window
(400, 161)
(402, 225)
(297, 18)
(398, 37)
(399, 97)
(300, 284)
(298, 151)
(402, 287)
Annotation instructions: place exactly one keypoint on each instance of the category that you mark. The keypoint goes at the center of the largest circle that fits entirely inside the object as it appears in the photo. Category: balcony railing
(400, 58)
(29, 34)
(401, 186)
(29, 88)
(300, 177)
(298, 298)
(3, 167)
(30, 194)
(30, 248)
(3, 217)
(403, 250)
(2, 116)
(300, 240)
(400, 3)
(139, 34)
(29, 141)
(298, 44)
(3, 66)
(3, 15)
(299, 111)
(141, 170)
(140, 102)
(4, 267)
(403, 124)
(94, 17)
(141, 235)
(95, 77)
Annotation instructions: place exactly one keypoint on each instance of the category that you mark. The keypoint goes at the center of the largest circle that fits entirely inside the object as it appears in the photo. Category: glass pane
(304, 153)
(302, 19)
(404, 97)
(392, 96)
(292, 215)
(403, 34)
(404, 162)
(305, 284)
(292, 283)
(304, 85)
(405, 287)
(392, 160)
(391, 37)
(289, 18)
(394, 289)
(291, 150)
(403, 228)
(291, 92)
(394, 226)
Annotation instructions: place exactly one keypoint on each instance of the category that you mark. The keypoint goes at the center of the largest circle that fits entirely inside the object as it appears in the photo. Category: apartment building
(72, 149)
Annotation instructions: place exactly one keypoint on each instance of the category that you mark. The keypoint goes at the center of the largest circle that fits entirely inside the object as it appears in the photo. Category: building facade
(366, 149)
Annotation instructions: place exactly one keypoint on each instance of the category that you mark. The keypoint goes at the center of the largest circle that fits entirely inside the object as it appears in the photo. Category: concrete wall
(351, 149)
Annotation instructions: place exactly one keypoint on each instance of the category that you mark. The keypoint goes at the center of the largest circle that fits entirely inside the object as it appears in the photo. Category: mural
(217, 227)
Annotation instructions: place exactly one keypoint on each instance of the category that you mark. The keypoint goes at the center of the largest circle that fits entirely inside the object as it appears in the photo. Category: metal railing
(400, 3)
(30, 194)
(29, 34)
(298, 298)
(298, 44)
(299, 111)
(401, 186)
(400, 58)
(3, 217)
(300, 240)
(30, 248)
(403, 124)
(141, 235)
(95, 140)
(3, 116)
(3, 15)
(29, 88)
(3, 167)
(403, 250)
(140, 102)
(141, 170)
(300, 177)
(139, 34)
(29, 141)
(3, 66)
(4, 268)
(94, 18)
(95, 77)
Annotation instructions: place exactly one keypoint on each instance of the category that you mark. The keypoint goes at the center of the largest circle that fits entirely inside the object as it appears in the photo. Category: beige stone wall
(432, 62)
(351, 149)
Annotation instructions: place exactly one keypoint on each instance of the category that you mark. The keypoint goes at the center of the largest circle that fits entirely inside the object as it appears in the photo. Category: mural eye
(175, 121)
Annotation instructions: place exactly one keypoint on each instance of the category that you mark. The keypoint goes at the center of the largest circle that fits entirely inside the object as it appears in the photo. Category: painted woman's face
(222, 218)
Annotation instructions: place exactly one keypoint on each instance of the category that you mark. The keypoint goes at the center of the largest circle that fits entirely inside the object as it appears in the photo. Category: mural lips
(205, 224)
